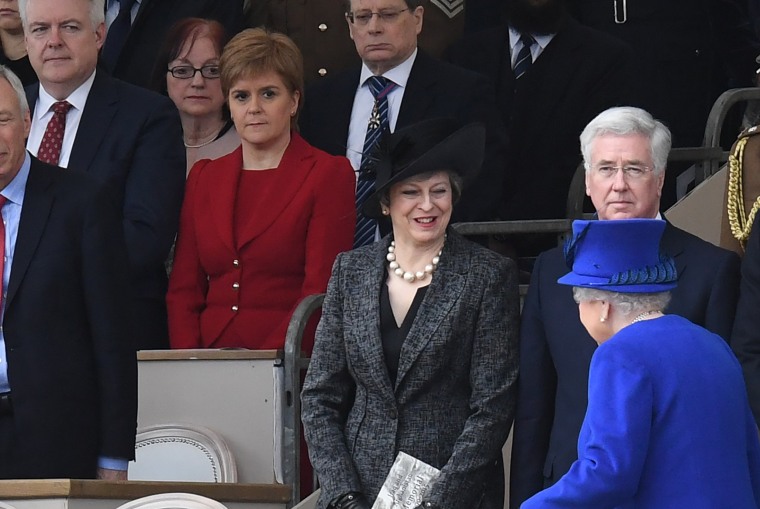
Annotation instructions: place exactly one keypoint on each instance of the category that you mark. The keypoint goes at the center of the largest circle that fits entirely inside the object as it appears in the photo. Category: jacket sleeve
(188, 283)
(154, 188)
(536, 392)
(609, 467)
(327, 391)
(493, 377)
(332, 220)
(105, 283)
(745, 339)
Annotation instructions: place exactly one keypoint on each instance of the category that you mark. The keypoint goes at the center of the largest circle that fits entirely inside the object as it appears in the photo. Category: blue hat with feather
(621, 255)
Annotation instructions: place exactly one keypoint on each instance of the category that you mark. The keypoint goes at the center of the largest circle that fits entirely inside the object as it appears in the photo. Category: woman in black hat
(668, 423)
(416, 350)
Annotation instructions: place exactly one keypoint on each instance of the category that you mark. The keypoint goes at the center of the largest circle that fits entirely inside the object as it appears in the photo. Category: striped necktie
(117, 34)
(524, 57)
(365, 186)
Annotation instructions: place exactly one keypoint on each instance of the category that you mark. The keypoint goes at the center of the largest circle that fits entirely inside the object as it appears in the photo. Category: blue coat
(668, 425)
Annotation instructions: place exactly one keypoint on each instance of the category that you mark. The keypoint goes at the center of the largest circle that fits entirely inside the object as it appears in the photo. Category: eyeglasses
(631, 171)
(186, 72)
(362, 18)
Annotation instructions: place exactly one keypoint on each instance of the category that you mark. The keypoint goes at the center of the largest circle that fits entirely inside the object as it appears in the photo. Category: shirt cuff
(112, 463)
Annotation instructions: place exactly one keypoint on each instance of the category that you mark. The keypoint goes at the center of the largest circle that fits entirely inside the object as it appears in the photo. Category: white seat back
(181, 452)
(309, 502)
(173, 501)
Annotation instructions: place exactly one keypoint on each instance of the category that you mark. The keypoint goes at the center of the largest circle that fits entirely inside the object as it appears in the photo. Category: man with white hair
(68, 373)
(123, 135)
(625, 152)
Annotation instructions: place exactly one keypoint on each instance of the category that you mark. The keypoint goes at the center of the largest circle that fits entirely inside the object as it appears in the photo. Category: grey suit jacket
(454, 397)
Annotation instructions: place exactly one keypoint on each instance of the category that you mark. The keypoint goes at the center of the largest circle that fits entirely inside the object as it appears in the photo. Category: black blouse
(392, 335)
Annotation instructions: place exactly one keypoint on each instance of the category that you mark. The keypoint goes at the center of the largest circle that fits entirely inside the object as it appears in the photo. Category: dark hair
(183, 31)
(256, 51)
(410, 4)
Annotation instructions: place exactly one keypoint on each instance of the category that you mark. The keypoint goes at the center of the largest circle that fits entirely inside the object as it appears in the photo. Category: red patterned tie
(52, 140)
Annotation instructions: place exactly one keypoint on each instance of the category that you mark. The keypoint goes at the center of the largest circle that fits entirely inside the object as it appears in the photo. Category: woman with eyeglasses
(187, 70)
(260, 227)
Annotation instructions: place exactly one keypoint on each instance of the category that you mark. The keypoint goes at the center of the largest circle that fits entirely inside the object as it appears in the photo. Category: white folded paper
(407, 483)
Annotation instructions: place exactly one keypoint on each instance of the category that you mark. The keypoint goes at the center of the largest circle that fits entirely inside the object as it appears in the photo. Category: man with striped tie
(398, 85)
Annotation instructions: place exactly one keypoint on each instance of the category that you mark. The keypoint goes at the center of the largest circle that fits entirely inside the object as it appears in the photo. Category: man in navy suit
(625, 151)
(68, 373)
(336, 112)
(576, 73)
(123, 135)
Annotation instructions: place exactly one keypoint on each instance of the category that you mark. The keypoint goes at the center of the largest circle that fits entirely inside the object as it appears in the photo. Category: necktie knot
(126, 5)
(527, 40)
(380, 86)
(61, 107)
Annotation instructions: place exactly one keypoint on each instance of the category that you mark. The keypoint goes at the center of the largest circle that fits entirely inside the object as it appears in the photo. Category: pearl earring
(385, 212)
(602, 319)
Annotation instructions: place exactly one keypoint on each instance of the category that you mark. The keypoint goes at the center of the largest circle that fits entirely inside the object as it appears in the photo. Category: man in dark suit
(336, 112)
(625, 152)
(318, 28)
(68, 374)
(151, 20)
(123, 135)
(686, 53)
(576, 73)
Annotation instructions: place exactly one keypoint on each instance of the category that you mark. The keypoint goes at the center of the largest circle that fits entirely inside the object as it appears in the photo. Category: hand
(351, 500)
(106, 474)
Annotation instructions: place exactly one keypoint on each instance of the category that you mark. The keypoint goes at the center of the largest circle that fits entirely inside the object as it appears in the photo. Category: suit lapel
(221, 185)
(34, 214)
(368, 277)
(444, 291)
(417, 98)
(672, 245)
(99, 112)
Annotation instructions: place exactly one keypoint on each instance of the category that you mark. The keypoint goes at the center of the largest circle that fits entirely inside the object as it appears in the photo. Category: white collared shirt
(113, 11)
(364, 102)
(515, 44)
(43, 112)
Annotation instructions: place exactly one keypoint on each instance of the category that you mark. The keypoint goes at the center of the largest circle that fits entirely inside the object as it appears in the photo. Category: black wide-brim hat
(429, 146)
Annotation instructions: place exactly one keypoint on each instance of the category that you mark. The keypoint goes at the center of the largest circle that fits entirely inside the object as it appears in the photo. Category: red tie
(52, 140)
(3, 199)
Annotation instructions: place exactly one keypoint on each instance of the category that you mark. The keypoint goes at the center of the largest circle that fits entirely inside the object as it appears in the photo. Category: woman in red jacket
(260, 227)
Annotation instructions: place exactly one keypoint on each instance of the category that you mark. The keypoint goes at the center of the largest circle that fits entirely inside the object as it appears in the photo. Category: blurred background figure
(187, 70)
(668, 423)
(136, 28)
(12, 46)
(260, 227)
(416, 350)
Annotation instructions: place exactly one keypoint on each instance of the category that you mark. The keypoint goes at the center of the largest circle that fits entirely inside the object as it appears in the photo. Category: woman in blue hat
(668, 423)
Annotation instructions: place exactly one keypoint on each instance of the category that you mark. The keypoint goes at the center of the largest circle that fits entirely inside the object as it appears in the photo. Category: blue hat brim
(602, 283)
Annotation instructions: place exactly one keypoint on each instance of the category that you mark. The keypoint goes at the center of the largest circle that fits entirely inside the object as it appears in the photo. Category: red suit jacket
(217, 292)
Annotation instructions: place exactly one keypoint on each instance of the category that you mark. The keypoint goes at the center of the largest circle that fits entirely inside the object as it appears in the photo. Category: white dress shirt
(364, 102)
(43, 112)
(515, 44)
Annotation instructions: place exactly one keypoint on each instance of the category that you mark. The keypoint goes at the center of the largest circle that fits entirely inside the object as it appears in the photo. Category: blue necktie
(117, 34)
(365, 186)
(524, 57)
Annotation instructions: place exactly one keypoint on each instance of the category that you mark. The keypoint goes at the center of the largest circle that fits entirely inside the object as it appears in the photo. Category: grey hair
(15, 83)
(626, 304)
(410, 4)
(97, 12)
(627, 120)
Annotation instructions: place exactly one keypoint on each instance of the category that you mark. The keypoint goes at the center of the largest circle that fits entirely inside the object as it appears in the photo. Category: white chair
(173, 501)
(3, 505)
(181, 452)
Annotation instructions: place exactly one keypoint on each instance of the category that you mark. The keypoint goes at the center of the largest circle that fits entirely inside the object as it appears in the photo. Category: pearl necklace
(644, 315)
(409, 276)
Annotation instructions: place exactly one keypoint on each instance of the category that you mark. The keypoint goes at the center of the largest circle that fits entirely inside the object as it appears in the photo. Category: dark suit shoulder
(698, 249)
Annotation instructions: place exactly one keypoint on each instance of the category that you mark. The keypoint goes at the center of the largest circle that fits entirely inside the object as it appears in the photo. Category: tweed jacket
(454, 397)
